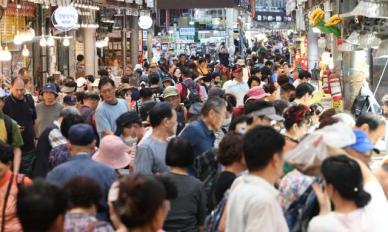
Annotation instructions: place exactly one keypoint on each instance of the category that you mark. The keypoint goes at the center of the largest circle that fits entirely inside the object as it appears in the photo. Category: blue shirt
(107, 114)
(151, 156)
(82, 165)
(199, 136)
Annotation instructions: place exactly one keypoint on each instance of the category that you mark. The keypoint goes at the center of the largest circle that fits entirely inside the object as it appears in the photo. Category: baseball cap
(50, 87)
(168, 79)
(363, 143)
(256, 93)
(81, 134)
(269, 112)
(127, 118)
(170, 91)
(70, 100)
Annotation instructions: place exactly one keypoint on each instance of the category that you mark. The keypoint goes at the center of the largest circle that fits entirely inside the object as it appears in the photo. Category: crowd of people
(186, 144)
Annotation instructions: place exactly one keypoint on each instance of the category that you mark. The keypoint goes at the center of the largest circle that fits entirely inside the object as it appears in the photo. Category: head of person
(163, 117)
(230, 151)
(283, 79)
(171, 95)
(113, 152)
(304, 94)
(81, 139)
(167, 81)
(286, 68)
(107, 89)
(129, 126)
(128, 71)
(41, 207)
(179, 153)
(362, 149)
(80, 58)
(214, 113)
(256, 93)
(304, 76)
(68, 120)
(91, 99)
(153, 67)
(177, 73)
(268, 64)
(373, 125)
(50, 94)
(239, 124)
(216, 78)
(287, 92)
(6, 156)
(315, 112)
(153, 79)
(194, 111)
(254, 81)
(263, 152)
(237, 72)
(69, 86)
(24, 74)
(182, 58)
(344, 181)
(83, 192)
(202, 62)
(297, 121)
(272, 91)
(143, 201)
(260, 113)
(18, 88)
(256, 72)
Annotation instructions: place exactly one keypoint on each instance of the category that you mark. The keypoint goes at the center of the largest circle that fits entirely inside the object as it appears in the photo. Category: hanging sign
(145, 22)
(65, 18)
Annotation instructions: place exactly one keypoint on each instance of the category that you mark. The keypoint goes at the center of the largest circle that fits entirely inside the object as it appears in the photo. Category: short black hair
(68, 121)
(304, 75)
(230, 149)
(282, 79)
(303, 89)
(213, 103)
(260, 145)
(6, 153)
(179, 153)
(38, 205)
(80, 57)
(90, 78)
(253, 78)
(268, 62)
(153, 78)
(105, 81)
(159, 112)
(103, 72)
(373, 120)
(280, 106)
(92, 96)
(22, 71)
(83, 192)
(236, 121)
(145, 109)
(287, 88)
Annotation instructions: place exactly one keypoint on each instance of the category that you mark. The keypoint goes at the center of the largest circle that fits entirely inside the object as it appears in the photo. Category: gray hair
(213, 103)
(69, 110)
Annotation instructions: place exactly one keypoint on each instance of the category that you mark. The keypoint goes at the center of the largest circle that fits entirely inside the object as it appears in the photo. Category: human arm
(202, 208)
(323, 199)
(102, 124)
(17, 159)
(16, 144)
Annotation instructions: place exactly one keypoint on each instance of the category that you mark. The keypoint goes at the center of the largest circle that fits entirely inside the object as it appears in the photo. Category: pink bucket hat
(257, 93)
(113, 152)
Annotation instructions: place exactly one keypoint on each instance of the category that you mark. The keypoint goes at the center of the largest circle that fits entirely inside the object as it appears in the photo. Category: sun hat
(113, 152)
(81, 134)
(170, 91)
(256, 93)
(363, 143)
(50, 87)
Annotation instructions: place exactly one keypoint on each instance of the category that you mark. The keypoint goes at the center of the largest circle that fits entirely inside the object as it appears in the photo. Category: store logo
(65, 18)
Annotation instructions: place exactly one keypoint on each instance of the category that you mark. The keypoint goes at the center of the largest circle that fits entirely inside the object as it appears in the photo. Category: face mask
(130, 141)
(227, 122)
(242, 130)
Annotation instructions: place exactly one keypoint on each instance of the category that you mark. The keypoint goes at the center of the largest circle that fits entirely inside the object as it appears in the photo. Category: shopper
(171, 95)
(188, 209)
(130, 128)
(260, 113)
(237, 86)
(304, 94)
(373, 125)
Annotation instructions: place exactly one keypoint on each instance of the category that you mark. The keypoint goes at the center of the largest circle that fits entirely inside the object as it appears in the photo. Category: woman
(84, 196)
(114, 153)
(188, 210)
(296, 123)
(177, 75)
(358, 206)
(230, 155)
(272, 90)
(141, 203)
(253, 81)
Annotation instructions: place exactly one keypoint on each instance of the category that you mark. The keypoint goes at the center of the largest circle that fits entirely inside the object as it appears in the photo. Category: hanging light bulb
(66, 42)
(7, 54)
(25, 51)
(50, 41)
(43, 42)
(17, 40)
(1, 53)
(29, 35)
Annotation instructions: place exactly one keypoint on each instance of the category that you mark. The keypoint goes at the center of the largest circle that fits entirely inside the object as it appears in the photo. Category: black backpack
(8, 127)
(191, 92)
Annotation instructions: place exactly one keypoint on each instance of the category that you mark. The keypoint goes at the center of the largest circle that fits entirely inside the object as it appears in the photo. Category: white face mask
(130, 141)
(227, 122)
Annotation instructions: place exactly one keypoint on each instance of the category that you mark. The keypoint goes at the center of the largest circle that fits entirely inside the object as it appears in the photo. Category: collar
(206, 129)
(81, 155)
(261, 182)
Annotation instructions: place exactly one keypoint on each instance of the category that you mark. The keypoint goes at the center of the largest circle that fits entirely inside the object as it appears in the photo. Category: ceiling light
(25, 51)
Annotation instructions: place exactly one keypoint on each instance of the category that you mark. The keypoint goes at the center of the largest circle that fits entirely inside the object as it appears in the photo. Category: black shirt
(24, 113)
(223, 182)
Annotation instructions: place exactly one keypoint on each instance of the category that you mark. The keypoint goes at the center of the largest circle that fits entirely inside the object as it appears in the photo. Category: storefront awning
(190, 4)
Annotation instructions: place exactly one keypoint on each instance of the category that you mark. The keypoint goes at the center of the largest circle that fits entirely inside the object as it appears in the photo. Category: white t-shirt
(371, 218)
(238, 89)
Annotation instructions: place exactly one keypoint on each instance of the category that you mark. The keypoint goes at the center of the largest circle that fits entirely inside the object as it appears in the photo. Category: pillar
(230, 22)
(150, 35)
(90, 50)
(124, 41)
(134, 40)
(312, 49)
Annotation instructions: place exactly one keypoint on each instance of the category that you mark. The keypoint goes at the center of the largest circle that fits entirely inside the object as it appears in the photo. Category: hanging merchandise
(335, 87)
(325, 81)
(316, 19)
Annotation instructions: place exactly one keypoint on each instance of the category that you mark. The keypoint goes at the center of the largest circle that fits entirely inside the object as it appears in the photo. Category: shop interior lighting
(66, 42)
(354, 38)
(25, 51)
(370, 9)
(5, 55)
(43, 42)
(382, 51)
(316, 30)
(50, 41)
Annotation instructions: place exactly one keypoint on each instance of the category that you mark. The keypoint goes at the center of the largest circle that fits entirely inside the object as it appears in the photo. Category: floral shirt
(83, 222)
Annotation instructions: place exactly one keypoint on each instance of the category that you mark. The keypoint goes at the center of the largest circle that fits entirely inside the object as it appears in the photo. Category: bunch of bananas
(333, 20)
(316, 15)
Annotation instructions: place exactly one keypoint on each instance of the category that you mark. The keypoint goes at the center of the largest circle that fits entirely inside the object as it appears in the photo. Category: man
(260, 113)
(21, 107)
(89, 106)
(48, 110)
(8, 178)
(42, 207)
(82, 144)
(253, 203)
(171, 95)
(51, 137)
(287, 92)
(128, 74)
(10, 134)
(237, 86)
(25, 75)
(303, 77)
(182, 59)
(151, 151)
(110, 109)
(362, 149)
(304, 94)
(200, 133)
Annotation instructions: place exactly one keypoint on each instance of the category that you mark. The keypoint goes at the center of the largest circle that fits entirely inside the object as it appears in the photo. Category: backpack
(190, 93)
(212, 221)
(9, 128)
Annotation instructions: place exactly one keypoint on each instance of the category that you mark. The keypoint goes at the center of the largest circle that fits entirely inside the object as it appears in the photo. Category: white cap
(81, 82)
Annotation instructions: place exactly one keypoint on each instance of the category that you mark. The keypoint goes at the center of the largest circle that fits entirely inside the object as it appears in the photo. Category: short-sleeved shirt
(238, 89)
(150, 156)
(107, 114)
(80, 222)
(17, 140)
(188, 210)
(46, 115)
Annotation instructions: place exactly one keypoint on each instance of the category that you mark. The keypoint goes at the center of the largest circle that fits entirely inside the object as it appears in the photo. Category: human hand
(323, 198)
